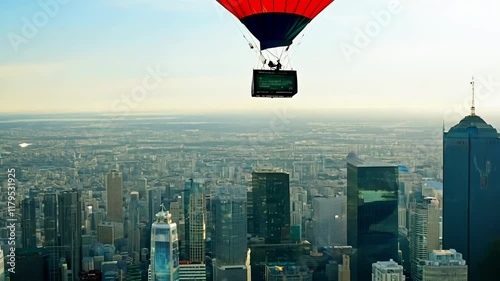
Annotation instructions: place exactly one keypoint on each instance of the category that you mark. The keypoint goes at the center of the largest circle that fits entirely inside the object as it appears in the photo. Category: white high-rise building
(387, 271)
(444, 265)
(190, 272)
(164, 249)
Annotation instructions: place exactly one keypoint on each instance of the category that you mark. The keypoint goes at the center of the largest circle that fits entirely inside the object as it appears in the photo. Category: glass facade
(164, 249)
(471, 187)
(271, 205)
(229, 213)
(372, 214)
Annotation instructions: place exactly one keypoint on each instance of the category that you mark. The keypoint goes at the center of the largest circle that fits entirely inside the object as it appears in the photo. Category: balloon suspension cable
(290, 53)
(253, 45)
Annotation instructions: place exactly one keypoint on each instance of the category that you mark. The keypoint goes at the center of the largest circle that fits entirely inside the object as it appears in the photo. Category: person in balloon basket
(276, 66)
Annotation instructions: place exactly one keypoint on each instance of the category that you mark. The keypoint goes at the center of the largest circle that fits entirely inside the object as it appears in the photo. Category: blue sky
(91, 55)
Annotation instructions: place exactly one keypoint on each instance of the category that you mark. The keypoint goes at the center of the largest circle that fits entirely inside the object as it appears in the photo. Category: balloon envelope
(275, 23)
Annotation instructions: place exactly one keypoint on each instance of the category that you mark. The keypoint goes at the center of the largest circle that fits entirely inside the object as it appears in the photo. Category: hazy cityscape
(202, 178)
(249, 140)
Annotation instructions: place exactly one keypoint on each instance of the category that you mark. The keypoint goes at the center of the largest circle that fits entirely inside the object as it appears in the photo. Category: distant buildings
(164, 249)
(387, 271)
(444, 265)
(471, 165)
(372, 213)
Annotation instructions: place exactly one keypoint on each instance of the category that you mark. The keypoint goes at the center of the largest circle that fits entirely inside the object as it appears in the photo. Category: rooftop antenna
(472, 108)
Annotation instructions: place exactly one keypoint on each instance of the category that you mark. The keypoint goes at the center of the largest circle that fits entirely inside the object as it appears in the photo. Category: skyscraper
(28, 224)
(70, 229)
(424, 232)
(471, 189)
(164, 249)
(372, 214)
(114, 202)
(230, 242)
(195, 208)
(134, 233)
(50, 219)
(271, 205)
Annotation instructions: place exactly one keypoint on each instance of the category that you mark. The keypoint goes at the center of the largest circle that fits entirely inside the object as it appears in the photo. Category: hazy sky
(92, 55)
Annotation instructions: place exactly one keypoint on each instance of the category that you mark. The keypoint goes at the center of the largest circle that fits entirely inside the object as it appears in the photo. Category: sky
(129, 56)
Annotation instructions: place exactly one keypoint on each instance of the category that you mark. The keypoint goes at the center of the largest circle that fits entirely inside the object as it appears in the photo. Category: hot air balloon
(275, 24)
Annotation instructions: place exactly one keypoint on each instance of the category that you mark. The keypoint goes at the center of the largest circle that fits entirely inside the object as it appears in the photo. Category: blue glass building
(372, 214)
(164, 249)
(471, 195)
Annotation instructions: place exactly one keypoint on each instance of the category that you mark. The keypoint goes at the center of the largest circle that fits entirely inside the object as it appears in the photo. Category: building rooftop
(287, 269)
(270, 170)
(357, 161)
(475, 125)
(391, 264)
(445, 257)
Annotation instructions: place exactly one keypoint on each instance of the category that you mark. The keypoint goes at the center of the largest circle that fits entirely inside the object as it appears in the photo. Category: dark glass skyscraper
(28, 223)
(50, 219)
(230, 233)
(471, 194)
(372, 214)
(271, 205)
(70, 229)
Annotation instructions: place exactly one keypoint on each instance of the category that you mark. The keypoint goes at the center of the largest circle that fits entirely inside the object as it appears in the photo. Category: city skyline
(183, 162)
(93, 54)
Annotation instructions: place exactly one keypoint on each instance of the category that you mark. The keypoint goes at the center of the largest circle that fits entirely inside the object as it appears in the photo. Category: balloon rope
(251, 44)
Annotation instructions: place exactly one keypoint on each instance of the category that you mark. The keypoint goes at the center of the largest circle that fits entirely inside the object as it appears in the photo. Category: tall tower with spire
(473, 106)
(471, 190)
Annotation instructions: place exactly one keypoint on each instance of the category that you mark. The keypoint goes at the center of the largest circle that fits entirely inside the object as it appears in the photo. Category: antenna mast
(473, 107)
